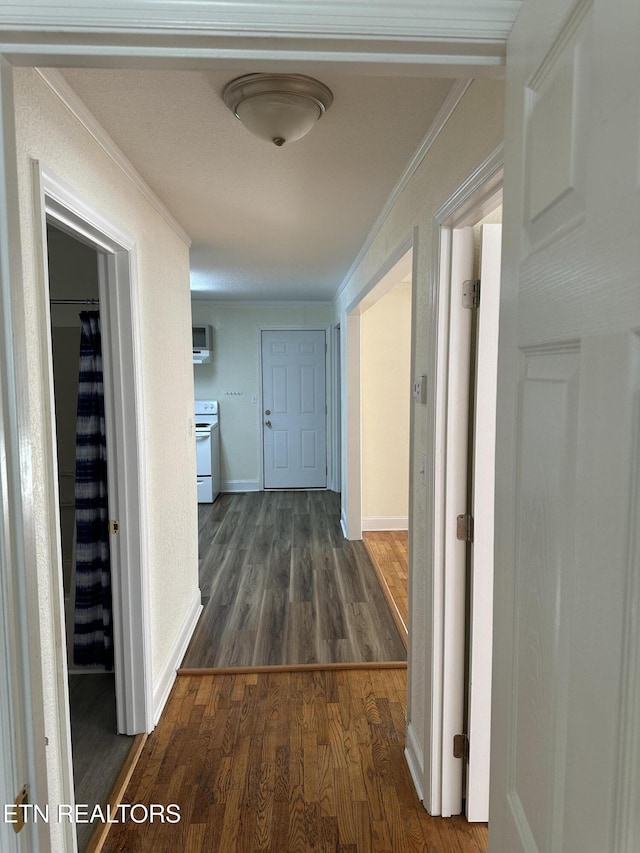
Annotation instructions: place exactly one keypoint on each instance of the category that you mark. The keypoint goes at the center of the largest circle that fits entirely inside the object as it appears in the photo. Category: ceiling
(266, 223)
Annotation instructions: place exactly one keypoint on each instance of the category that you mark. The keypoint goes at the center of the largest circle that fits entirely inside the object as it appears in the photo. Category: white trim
(392, 522)
(456, 93)
(414, 757)
(351, 498)
(22, 656)
(474, 198)
(81, 112)
(239, 486)
(57, 201)
(489, 21)
(336, 408)
(627, 791)
(163, 684)
(201, 296)
(468, 39)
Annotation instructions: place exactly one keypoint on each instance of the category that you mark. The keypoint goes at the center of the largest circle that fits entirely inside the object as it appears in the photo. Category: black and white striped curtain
(93, 634)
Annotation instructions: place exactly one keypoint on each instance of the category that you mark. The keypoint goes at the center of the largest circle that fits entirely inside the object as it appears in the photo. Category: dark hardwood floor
(98, 750)
(280, 585)
(305, 762)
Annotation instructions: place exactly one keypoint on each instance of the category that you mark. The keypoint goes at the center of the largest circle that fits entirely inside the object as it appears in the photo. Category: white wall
(385, 361)
(235, 367)
(473, 132)
(47, 131)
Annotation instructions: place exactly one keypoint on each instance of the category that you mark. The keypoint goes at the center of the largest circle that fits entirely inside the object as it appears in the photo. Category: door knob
(268, 423)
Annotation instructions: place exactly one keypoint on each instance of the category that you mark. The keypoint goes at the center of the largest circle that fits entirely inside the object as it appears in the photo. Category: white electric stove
(207, 450)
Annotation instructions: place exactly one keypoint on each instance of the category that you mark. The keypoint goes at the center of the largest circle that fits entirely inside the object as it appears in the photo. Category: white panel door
(566, 701)
(294, 409)
(482, 509)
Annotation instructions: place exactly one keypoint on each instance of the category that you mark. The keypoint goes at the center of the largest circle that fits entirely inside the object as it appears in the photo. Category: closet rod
(74, 301)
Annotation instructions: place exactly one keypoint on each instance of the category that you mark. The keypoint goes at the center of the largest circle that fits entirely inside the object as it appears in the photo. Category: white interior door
(294, 409)
(566, 703)
(482, 509)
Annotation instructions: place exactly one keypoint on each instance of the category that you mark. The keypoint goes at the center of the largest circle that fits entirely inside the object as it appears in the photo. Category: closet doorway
(83, 489)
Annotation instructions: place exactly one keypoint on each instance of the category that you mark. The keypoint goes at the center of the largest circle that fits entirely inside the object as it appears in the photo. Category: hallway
(286, 761)
(281, 586)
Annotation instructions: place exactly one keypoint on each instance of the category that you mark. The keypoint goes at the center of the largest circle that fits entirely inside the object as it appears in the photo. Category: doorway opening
(378, 442)
(83, 490)
(76, 231)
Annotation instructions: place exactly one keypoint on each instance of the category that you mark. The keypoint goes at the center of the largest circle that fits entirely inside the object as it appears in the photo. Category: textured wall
(385, 370)
(235, 368)
(474, 130)
(48, 132)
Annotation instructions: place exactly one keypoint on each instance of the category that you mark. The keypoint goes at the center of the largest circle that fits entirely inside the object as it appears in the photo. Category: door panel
(293, 390)
(565, 734)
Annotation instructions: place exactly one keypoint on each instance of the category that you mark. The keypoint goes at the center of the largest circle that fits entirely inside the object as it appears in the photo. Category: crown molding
(405, 31)
(56, 82)
(455, 95)
(490, 20)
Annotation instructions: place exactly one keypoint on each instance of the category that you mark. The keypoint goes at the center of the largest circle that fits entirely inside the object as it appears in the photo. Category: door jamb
(61, 204)
(318, 327)
(466, 205)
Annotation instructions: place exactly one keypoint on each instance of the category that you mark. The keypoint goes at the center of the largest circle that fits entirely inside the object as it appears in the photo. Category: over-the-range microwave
(202, 336)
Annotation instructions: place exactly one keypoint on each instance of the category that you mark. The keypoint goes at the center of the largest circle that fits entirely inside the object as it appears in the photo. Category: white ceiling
(266, 222)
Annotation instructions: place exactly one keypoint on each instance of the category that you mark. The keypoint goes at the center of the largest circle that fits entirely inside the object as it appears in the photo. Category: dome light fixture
(278, 108)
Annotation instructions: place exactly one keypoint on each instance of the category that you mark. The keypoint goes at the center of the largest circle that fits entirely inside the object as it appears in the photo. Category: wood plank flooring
(98, 750)
(389, 553)
(281, 586)
(304, 761)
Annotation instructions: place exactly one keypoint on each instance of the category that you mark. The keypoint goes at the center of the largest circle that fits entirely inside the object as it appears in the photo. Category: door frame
(336, 409)
(468, 204)
(21, 718)
(63, 206)
(328, 361)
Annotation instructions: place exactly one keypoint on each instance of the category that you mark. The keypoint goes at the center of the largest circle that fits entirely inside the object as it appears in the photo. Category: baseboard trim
(163, 685)
(234, 486)
(390, 522)
(415, 761)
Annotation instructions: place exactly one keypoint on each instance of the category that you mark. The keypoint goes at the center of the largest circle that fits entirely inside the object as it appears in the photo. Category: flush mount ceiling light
(278, 108)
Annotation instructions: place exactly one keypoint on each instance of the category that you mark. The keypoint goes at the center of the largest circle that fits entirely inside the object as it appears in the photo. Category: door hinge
(17, 817)
(114, 525)
(461, 747)
(464, 530)
(471, 293)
